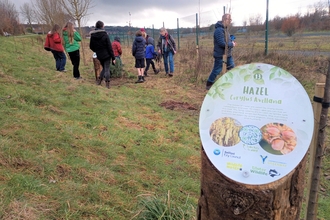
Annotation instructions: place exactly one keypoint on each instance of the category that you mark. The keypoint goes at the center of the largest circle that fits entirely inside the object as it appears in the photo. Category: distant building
(242, 30)
(36, 28)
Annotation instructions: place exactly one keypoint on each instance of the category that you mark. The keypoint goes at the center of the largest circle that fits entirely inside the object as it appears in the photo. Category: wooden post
(225, 56)
(319, 154)
(317, 107)
(222, 198)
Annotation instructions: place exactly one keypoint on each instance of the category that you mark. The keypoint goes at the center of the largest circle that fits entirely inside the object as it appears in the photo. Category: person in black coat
(138, 51)
(101, 45)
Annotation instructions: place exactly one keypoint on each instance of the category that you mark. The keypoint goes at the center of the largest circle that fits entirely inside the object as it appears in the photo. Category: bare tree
(316, 17)
(78, 9)
(49, 12)
(255, 19)
(9, 21)
(321, 8)
(276, 23)
(256, 22)
(28, 14)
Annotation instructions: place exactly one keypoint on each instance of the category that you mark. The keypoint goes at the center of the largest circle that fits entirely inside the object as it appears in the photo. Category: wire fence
(192, 28)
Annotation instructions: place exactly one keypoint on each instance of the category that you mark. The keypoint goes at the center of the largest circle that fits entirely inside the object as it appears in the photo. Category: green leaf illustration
(242, 72)
(222, 96)
(225, 85)
(259, 81)
(247, 78)
(252, 66)
(218, 90)
(226, 79)
(285, 73)
(272, 76)
(230, 75)
(258, 71)
(274, 69)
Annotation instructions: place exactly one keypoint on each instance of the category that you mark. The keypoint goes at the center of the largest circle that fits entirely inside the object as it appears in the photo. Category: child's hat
(142, 29)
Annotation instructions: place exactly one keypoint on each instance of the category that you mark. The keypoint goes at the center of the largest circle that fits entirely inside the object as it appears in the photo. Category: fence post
(319, 152)
(178, 30)
(317, 107)
(197, 31)
(153, 32)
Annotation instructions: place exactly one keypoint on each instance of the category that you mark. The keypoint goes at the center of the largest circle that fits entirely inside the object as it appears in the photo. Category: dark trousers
(105, 73)
(150, 61)
(60, 60)
(75, 60)
(217, 67)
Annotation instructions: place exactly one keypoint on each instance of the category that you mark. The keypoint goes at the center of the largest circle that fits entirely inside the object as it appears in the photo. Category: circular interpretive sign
(256, 123)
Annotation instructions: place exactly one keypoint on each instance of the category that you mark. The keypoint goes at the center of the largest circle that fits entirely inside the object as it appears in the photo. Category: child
(71, 43)
(138, 49)
(150, 54)
(116, 47)
(145, 35)
(54, 44)
(100, 44)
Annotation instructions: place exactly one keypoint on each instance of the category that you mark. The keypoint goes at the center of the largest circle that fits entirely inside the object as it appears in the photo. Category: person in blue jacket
(150, 54)
(219, 41)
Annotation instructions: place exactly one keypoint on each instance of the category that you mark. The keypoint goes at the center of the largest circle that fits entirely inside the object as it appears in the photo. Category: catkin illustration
(224, 131)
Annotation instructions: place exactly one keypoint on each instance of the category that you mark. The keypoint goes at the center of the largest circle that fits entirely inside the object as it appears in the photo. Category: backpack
(47, 44)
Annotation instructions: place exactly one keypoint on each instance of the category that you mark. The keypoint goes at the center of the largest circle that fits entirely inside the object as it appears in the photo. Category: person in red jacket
(116, 47)
(54, 44)
(117, 68)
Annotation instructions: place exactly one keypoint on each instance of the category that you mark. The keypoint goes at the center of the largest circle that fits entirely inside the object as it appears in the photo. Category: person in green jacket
(71, 39)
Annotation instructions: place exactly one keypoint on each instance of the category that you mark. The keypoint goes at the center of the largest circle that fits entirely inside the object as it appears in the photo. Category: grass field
(73, 150)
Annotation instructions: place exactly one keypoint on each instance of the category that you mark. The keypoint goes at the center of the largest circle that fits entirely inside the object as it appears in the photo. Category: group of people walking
(143, 50)
(69, 42)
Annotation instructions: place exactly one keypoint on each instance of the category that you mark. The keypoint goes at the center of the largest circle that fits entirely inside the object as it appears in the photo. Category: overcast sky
(148, 13)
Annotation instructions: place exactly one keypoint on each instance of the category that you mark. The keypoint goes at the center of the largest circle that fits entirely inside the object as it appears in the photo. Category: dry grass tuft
(17, 210)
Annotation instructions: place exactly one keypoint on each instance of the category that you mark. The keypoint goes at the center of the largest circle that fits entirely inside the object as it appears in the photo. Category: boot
(140, 80)
(208, 85)
(99, 81)
(107, 84)
(143, 78)
(156, 71)
(145, 74)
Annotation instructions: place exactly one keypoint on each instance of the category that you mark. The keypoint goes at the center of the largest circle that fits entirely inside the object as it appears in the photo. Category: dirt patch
(177, 105)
